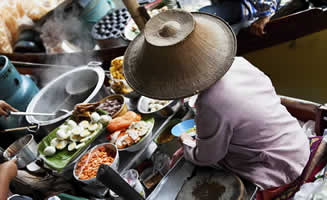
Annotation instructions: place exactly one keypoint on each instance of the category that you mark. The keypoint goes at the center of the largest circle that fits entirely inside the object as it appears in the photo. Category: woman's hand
(5, 108)
(186, 139)
(257, 27)
(9, 169)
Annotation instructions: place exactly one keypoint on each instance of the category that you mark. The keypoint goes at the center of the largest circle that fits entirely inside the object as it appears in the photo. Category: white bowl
(114, 165)
(164, 112)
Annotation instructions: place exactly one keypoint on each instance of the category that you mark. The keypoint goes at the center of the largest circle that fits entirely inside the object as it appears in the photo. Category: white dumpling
(72, 146)
(85, 133)
(77, 130)
(93, 127)
(61, 145)
(95, 117)
(105, 119)
(71, 123)
(61, 134)
(49, 151)
(84, 124)
(54, 142)
(64, 127)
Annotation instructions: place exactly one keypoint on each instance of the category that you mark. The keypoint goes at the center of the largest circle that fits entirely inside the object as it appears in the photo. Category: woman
(240, 121)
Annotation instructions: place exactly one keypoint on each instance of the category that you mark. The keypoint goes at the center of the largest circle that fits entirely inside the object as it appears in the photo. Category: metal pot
(57, 95)
(164, 112)
(24, 149)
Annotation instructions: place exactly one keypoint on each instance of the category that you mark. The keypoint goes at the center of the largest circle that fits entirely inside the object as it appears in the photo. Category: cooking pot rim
(100, 73)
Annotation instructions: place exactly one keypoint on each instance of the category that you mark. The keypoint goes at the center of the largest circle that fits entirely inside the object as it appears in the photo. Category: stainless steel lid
(86, 83)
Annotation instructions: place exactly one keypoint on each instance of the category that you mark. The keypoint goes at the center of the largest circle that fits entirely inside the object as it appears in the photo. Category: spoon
(64, 111)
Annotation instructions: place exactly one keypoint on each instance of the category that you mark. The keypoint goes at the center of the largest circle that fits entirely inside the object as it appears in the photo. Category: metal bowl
(55, 95)
(166, 111)
(24, 150)
(114, 165)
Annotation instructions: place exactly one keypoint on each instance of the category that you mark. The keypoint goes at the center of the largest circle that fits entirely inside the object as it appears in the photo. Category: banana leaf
(63, 157)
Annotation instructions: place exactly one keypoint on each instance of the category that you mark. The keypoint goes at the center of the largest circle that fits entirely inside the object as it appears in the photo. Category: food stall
(106, 122)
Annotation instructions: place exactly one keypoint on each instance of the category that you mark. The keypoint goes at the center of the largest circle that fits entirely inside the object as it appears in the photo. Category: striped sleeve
(261, 8)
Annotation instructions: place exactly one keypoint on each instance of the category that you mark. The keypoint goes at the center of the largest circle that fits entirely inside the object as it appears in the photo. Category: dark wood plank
(79, 58)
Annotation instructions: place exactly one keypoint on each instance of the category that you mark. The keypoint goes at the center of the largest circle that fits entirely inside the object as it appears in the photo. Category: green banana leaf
(63, 157)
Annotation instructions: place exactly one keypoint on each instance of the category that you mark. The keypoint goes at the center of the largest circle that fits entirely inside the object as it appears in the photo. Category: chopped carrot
(98, 157)
(123, 122)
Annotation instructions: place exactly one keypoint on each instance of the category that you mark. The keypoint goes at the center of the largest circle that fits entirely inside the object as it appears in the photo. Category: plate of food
(66, 142)
(130, 132)
(161, 108)
(187, 126)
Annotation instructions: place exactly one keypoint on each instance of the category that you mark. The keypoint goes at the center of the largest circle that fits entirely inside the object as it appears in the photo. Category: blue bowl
(182, 127)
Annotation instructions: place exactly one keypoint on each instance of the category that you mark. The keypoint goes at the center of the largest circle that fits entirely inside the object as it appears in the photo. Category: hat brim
(186, 68)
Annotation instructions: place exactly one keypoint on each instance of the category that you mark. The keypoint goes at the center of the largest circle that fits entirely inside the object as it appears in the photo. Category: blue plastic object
(95, 10)
(182, 127)
(17, 90)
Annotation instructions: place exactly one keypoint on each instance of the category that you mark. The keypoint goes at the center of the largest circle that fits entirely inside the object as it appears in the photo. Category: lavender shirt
(242, 125)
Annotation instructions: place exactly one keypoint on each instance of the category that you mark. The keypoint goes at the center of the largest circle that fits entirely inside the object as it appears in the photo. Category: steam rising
(65, 33)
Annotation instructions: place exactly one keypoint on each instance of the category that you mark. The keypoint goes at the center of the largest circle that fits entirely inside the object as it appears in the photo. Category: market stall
(100, 138)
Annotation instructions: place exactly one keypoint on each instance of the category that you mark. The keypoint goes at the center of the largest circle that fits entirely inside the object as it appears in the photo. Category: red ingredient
(98, 157)
(123, 122)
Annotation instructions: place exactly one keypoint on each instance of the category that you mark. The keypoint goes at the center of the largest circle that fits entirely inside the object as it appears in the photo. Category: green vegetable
(101, 112)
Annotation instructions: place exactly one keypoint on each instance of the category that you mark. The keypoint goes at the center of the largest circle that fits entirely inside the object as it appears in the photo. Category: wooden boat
(292, 53)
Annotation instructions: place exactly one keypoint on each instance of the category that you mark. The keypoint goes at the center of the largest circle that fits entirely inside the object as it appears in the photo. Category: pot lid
(179, 54)
(65, 92)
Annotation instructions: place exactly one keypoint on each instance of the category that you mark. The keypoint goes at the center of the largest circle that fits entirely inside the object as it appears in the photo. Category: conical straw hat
(179, 54)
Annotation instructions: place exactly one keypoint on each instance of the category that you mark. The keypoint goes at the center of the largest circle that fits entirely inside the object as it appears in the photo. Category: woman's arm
(214, 133)
(8, 171)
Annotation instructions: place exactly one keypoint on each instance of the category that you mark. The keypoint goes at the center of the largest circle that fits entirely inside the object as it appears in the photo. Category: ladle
(63, 111)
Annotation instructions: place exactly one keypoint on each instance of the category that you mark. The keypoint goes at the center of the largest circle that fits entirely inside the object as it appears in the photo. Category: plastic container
(17, 90)
(183, 127)
(95, 10)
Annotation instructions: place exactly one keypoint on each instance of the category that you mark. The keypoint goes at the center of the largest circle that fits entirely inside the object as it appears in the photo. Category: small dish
(123, 109)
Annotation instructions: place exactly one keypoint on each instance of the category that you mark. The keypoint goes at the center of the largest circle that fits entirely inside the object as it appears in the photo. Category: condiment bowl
(164, 112)
(123, 109)
(109, 148)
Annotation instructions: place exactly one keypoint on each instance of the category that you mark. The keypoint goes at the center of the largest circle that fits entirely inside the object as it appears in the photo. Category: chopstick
(18, 129)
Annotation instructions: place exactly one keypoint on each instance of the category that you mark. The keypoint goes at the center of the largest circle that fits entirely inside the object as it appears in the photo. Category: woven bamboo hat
(179, 54)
